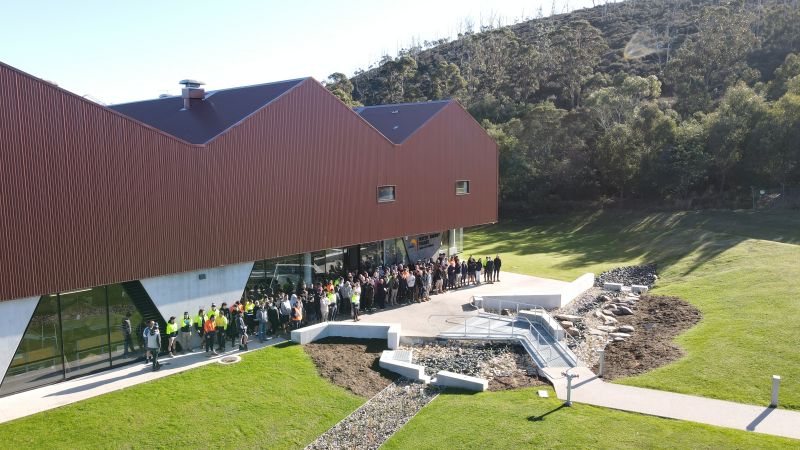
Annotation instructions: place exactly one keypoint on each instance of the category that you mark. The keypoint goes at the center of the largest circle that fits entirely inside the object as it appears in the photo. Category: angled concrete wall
(14, 318)
(174, 294)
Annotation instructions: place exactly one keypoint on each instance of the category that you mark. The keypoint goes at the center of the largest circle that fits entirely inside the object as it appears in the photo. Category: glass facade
(71, 334)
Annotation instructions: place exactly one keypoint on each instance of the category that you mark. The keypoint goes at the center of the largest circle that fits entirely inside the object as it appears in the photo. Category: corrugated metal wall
(90, 197)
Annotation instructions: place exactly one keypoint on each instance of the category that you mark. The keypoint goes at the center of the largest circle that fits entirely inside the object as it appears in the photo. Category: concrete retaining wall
(547, 300)
(411, 371)
(388, 331)
(456, 380)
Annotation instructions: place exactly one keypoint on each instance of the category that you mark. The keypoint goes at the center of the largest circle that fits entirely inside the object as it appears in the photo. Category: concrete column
(307, 272)
(776, 384)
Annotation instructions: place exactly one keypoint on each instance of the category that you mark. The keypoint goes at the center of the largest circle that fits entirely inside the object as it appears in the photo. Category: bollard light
(776, 384)
(602, 362)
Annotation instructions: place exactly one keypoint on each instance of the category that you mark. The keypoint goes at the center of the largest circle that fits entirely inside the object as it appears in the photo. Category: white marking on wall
(14, 318)
(189, 291)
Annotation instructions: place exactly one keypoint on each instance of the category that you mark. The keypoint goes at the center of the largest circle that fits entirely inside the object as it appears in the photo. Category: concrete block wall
(388, 331)
(459, 381)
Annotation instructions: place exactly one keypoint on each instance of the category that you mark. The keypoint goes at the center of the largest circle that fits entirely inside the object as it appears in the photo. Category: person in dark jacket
(367, 296)
(497, 263)
(489, 269)
(274, 317)
(380, 293)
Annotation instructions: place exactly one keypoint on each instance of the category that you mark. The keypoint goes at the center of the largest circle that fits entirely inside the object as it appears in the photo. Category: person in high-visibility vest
(199, 325)
(186, 333)
(355, 300)
(297, 315)
(209, 328)
(172, 335)
(221, 324)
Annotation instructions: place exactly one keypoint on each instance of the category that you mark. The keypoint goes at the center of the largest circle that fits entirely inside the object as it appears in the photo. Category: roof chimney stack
(191, 91)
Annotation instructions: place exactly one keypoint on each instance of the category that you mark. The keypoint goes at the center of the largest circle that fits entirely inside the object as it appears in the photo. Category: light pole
(569, 377)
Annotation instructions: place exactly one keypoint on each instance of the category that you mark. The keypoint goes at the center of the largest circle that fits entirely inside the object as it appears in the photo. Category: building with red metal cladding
(165, 206)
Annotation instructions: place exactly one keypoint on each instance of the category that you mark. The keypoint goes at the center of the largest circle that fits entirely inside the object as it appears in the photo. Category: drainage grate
(233, 359)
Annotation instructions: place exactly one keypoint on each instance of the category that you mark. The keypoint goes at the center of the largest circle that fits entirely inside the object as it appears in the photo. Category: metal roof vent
(191, 91)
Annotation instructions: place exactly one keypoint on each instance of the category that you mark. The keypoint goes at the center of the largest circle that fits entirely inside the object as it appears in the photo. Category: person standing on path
(154, 345)
(172, 335)
(478, 269)
(489, 269)
(209, 329)
(127, 332)
(186, 333)
(220, 325)
(200, 325)
(242, 326)
(146, 335)
(497, 263)
(355, 301)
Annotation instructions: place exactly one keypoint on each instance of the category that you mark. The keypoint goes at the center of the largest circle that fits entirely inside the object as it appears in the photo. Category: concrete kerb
(408, 370)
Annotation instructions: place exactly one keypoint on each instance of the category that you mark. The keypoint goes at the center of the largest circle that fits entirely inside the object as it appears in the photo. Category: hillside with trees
(684, 103)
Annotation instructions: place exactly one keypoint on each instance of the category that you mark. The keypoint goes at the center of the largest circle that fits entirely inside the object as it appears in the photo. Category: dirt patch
(516, 381)
(351, 363)
(657, 320)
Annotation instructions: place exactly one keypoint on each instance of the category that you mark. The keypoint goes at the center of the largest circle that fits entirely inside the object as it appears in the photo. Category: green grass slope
(272, 399)
(741, 269)
(519, 419)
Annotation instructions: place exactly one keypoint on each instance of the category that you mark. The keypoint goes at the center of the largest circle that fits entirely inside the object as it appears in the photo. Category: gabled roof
(398, 122)
(220, 110)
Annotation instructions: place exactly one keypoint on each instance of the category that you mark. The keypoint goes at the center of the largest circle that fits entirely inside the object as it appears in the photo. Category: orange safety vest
(298, 314)
(209, 326)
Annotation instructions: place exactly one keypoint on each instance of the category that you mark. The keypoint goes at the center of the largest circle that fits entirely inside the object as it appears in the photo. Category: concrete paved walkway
(60, 394)
(429, 319)
(590, 389)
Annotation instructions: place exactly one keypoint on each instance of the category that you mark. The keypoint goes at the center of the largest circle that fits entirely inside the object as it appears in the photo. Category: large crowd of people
(263, 312)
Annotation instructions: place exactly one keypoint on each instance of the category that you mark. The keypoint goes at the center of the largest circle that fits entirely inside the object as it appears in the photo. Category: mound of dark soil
(658, 319)
(351, 364)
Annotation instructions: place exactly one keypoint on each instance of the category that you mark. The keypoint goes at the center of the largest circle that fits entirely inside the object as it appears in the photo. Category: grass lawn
(519, 419)
(272, 399)
(741, 269)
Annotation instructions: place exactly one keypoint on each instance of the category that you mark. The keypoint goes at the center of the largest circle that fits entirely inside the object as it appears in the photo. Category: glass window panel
(258, 284)
(119, 305)
(38, 358)
(386, 193)
(371, 256)
(284, 273)
(462, 187)
(84, 323)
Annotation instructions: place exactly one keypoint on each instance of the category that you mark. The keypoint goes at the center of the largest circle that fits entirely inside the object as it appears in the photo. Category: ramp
(545, 349)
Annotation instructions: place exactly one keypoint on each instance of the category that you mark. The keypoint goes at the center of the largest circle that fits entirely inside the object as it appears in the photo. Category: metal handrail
(531, 329)
(535, 308)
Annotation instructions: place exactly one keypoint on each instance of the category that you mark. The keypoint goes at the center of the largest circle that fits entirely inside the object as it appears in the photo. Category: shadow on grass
(660, 238)
(541, 417)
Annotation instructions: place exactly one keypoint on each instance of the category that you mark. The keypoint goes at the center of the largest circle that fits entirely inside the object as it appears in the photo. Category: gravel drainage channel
(379, 418)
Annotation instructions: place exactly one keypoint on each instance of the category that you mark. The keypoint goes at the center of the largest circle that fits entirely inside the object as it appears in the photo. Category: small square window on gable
(462, 187)
(386, 194)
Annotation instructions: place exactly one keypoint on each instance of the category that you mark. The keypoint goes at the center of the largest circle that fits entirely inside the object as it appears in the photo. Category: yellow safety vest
(172, 328)
(221, 321)
(199, 320)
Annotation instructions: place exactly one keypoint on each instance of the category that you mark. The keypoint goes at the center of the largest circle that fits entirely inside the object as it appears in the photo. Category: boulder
(604, 298)
(598, 313)
(567, 324)
(623, 311)
(597, 331)
(619, 335)
(608, 320)
(619, 339)
(606, 328)
(573, 332)
(626, 329)
(639, 288)
(568, 317)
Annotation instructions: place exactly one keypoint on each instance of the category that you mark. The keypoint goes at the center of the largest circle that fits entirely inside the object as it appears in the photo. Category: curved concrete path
(590, 389)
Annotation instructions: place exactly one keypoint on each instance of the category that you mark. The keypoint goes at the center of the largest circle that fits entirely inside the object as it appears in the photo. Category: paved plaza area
(442, 312)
